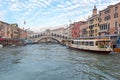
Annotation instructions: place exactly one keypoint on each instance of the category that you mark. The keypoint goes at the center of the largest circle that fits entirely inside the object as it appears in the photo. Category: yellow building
(15, 32)
(93, 24)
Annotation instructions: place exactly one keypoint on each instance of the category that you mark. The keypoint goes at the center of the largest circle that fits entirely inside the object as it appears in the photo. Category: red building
(76, 29)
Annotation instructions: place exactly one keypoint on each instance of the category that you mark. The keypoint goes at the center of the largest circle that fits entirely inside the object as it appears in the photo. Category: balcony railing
(103, 31)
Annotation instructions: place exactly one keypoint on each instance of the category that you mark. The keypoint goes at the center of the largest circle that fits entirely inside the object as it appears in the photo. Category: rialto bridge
(48, 37)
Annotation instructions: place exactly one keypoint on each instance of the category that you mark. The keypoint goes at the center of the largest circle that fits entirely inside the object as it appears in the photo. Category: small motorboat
(13, 45)
(117, 47)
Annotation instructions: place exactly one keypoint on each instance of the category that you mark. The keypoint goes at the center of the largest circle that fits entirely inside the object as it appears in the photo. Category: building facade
(58, 31)
(76, 29)
(109, 20)
(93, 24)
(22, 33)
(15, 32)
(70, 30)
(11, 31)
(5, 30)
(67, 31)
(83, 29)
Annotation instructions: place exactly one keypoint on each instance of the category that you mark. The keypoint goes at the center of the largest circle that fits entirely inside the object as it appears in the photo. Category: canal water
(56, 62)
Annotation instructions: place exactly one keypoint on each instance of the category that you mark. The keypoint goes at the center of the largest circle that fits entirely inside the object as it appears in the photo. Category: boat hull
(92, 51)
(116, 50)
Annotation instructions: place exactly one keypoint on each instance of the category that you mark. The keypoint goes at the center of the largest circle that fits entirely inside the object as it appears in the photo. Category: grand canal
(56, 62)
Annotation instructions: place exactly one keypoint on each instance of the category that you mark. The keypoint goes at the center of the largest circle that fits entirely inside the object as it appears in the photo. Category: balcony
(101, 31)
(91, 32)
(118, 28)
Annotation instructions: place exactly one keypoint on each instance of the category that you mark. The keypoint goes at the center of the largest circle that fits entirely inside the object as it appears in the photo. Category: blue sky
(43, 14)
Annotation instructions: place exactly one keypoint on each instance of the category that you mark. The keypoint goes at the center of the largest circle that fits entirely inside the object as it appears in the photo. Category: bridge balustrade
(50, 34)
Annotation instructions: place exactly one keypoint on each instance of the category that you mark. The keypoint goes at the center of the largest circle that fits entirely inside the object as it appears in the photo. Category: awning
(1, 39)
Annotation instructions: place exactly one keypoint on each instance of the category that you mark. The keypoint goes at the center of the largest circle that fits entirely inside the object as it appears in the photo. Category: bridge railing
(49, 34)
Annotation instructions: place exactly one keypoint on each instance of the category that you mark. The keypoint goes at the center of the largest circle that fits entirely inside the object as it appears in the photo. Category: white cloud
(72, 7)
(46, 2)
(50, 12)
(2, 15)
(14, 7)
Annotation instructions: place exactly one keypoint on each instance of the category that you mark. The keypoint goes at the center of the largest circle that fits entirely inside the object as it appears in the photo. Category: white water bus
(95, 45)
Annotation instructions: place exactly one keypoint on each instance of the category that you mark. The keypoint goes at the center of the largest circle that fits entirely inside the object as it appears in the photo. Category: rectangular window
(96, 31)
(91, 44)
(95, 25)
(116, 8)
(75, 42)
(98, 24)
(108, 26)
(100, 14)
(102, 27)
(86, 43)
(116, 15)
(107, 11)
(116, 24)
(105, 26)
(82, 43)
(107, 18)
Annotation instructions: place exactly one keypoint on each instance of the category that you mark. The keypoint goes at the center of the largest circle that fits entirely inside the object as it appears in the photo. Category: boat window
(102, 44)
(96, 43)
(79, 42)
(86, 43)
(76, 42)
(82, 43)
(72, 42)
(91, 43)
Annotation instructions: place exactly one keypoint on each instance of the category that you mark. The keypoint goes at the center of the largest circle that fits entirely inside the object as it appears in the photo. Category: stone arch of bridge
(50, 37)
